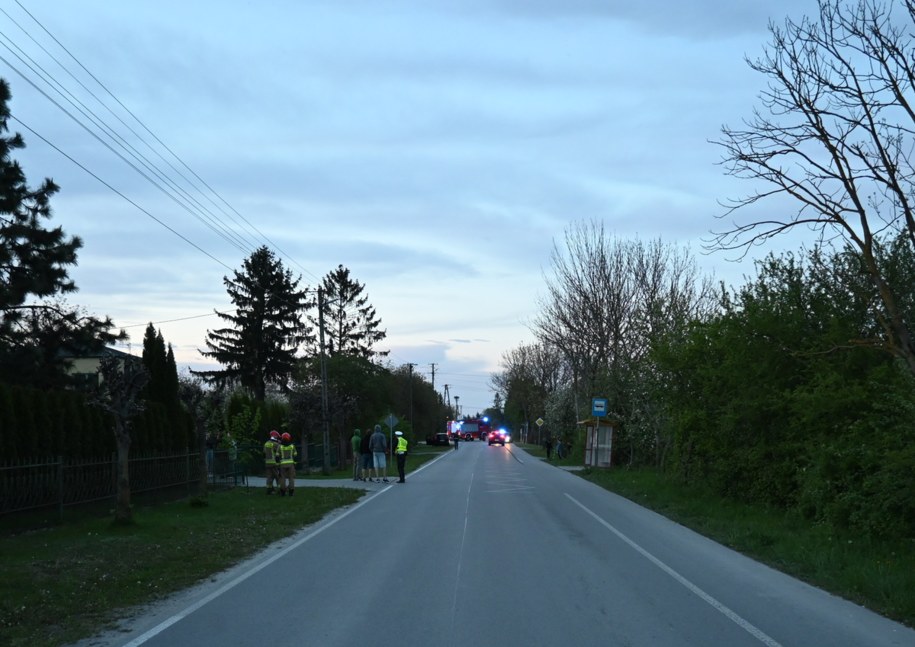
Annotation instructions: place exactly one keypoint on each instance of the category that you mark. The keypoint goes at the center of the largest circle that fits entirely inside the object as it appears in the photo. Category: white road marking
(750, 628)
(165, 624)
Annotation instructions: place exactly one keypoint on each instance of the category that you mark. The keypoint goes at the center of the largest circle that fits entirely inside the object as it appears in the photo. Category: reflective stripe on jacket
(287, 454)
(401, 445)
(270, 453)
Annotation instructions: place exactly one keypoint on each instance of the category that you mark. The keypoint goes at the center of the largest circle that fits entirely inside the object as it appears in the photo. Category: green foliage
(266, 329)
(39, 331)
(783, 399)
(351, 325)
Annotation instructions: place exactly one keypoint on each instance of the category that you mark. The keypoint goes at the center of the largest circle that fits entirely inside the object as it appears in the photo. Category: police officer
(288, 455)
(272, 460)
(401, 451)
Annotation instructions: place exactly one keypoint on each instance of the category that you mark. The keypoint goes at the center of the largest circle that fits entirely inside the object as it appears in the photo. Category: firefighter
(272, 460)
(401, 451)
(287, 457)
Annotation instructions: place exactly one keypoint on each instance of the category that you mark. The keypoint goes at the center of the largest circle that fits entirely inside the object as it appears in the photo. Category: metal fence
(56, 484)
(63, 482)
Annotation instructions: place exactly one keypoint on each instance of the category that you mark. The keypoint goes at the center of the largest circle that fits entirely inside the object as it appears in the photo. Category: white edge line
(718, 606)
(165, 624)
(139, 640)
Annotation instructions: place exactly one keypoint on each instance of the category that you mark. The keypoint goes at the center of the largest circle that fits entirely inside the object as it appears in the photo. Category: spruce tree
(259, 346)
(351, 325)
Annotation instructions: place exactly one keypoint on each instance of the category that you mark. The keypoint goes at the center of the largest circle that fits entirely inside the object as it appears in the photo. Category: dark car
(438, 439)
(497, 436)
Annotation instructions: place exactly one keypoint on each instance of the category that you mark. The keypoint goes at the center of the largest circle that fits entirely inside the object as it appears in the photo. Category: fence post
(60, 487)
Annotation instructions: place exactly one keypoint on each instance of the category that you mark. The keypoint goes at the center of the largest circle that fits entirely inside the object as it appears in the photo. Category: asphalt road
(487, 546)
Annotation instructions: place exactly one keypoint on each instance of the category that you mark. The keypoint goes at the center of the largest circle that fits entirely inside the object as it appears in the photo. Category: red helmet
(274, 435)
(286, 437)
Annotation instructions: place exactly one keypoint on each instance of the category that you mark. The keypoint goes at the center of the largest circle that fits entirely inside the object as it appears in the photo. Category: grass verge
(878, 574)
(66, 583)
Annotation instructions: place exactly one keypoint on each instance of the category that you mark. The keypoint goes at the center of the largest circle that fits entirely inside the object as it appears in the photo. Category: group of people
(561, 449)
(279, 462)
(370, 455)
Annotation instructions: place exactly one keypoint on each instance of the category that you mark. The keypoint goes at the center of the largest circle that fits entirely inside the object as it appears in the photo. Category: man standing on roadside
(401, 451)
(379, 446)
(356, 442)
(367, 459)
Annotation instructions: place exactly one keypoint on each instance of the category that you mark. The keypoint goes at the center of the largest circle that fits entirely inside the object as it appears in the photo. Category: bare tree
(836, 134)
(119, 394)
(531, 373)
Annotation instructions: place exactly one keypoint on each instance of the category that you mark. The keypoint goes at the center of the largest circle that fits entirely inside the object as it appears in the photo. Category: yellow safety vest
(287, 454)
(270, 453)
(401, 445)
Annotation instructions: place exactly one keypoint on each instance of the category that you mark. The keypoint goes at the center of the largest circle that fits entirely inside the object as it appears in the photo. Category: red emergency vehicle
(469, 428)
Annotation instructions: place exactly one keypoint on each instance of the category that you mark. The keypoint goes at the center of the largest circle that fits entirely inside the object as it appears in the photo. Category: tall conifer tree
(259, 346)
(37, 328)
(351, 325)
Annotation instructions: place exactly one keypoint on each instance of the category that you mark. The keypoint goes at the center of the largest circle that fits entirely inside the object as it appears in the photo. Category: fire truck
(469, 428)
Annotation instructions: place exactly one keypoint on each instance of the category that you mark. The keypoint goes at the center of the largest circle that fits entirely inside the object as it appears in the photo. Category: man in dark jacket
(365, 450)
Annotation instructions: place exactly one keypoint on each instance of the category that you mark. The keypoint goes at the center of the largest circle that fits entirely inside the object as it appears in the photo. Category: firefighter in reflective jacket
(272, 460)
(288, 455)
(401, 451)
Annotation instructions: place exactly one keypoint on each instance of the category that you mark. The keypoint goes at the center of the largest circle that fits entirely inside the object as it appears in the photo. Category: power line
(103, 182)
(186, 201)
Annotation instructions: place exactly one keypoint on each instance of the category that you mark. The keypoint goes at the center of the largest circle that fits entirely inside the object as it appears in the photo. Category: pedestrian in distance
(379, 445)
(356, 441)
(548, 445)
(560, 449)
(457, 439)
(288, 455)
(368, 460)
(272, 460)
(401, 452)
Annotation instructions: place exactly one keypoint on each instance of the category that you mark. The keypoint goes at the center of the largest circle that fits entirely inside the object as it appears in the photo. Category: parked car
(437, 439)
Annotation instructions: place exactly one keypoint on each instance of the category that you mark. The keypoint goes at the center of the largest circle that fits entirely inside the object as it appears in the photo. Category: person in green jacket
(288, 455)
(356, 441)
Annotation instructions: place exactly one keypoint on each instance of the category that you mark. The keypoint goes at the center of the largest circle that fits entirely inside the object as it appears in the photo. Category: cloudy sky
(435, 148)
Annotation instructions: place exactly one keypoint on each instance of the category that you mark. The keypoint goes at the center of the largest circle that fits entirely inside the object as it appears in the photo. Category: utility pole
(433, 375)
(325, 469)
(411, 365)
(457, 407)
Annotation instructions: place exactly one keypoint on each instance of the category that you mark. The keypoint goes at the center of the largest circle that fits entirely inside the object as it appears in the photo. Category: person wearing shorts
(379, 447)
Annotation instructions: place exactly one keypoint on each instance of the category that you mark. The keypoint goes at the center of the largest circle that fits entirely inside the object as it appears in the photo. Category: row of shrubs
(35, 423)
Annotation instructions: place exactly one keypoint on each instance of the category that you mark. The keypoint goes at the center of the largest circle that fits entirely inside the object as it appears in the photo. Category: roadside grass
(66, 582)
(69, 582)
(878, 574)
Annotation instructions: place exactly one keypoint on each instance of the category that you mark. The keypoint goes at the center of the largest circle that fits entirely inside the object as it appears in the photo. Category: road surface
(487, 546)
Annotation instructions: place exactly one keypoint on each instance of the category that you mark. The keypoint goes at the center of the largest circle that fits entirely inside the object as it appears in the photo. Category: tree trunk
(123, 514)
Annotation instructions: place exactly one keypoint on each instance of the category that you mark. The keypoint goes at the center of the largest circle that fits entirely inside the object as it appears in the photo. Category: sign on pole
(539, 422)
(598, 407)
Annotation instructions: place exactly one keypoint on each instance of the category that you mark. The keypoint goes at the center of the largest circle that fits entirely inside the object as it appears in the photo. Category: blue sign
(598, 407)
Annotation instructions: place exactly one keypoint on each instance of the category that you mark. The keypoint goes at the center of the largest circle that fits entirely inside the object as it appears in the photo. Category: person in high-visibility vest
(272, 460)
(288, 455)
(401, 451)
